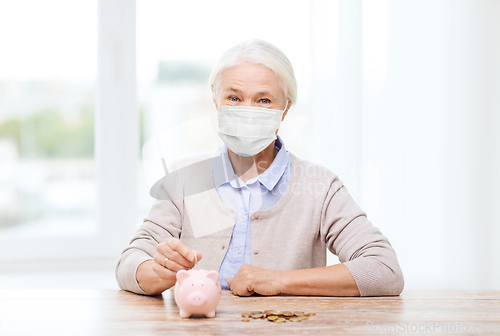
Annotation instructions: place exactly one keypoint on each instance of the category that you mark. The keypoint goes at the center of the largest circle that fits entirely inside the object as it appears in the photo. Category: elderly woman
(263, 218)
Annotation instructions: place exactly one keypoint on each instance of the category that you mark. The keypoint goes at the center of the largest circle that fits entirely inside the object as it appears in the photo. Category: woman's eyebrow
(265, 93)
(261, 93)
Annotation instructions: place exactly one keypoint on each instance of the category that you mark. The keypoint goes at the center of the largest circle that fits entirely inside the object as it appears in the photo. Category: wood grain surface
(67, 312)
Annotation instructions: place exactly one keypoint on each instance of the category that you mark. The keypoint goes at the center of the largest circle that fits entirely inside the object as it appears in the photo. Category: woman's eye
(234, 99)
(265, 101)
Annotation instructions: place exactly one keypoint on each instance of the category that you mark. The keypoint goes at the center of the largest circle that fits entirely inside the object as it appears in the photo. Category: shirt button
(255, 252)
(238, 251)
(242, 216)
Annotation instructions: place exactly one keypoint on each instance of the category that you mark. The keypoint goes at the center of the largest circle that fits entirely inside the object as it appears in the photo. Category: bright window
(47, 86)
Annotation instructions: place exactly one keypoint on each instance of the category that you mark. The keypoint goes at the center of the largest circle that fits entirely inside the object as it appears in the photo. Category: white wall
(404, 142)
(430, 145)
(407, 113)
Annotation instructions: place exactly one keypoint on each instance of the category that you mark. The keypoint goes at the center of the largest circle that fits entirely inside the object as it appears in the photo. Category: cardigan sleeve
(163, 221)
(360, 246)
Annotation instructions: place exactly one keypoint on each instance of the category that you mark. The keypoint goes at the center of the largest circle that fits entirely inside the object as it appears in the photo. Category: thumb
(194, 256)
(229, 281)
(198, 255)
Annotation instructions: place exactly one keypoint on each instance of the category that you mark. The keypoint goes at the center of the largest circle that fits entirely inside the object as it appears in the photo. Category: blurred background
(400, 98)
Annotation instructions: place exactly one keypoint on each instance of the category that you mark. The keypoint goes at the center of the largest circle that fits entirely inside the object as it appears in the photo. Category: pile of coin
(276, 316)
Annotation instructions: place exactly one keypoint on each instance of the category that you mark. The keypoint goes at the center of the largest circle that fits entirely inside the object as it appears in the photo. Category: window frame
(116, 152)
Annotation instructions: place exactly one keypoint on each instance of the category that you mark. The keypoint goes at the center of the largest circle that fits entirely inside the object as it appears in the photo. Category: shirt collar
(272, 175)
(223, 172)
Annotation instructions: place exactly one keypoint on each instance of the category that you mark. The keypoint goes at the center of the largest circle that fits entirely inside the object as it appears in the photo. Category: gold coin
(268, 312)
(287, 314)
(280, 320)
(245, 320)
(257, 312)
(298, 312)
(275, 312)
(295, 319)
(259, 315)
(272, 317)
(303, 318)
(246, 314)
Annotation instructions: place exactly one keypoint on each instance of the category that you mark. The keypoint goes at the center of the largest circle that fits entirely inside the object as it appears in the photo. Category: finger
(164, 273)
(166, 250)
(198, 255)
(242, 291)
(229, 281)
(168, 263)
(180, 248)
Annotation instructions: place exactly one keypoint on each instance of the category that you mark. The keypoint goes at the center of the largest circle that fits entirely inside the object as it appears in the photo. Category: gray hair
(258, 52)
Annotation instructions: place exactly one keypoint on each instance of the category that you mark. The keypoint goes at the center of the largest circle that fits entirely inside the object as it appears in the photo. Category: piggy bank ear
(182, 275)
(213, 275)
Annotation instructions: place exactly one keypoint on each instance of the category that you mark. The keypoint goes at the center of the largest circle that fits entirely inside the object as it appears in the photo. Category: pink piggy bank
(197, 291)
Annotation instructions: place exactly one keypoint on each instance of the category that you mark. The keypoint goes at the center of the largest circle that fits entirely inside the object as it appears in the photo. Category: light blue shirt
(259, 193)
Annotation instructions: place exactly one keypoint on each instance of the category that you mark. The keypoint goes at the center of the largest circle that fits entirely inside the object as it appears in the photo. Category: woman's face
(249, 84)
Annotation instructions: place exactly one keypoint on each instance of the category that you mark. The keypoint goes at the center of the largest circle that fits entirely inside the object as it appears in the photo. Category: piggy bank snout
(197, 298)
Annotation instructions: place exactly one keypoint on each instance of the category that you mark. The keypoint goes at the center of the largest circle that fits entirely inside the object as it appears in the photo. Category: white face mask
(247, 130)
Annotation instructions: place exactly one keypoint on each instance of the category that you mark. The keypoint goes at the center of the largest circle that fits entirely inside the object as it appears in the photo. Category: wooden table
(63, 312)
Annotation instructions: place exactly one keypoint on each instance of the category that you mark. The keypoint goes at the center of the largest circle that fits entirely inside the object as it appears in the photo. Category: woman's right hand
(172, 256)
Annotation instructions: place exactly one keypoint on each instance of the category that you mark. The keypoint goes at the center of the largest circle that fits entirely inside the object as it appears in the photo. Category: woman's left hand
(251, 279)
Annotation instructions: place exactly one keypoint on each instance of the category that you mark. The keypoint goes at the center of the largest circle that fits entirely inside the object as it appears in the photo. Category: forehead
(249, 76)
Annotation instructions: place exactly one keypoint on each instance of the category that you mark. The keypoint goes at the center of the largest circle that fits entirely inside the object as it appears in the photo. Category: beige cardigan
(316, 212)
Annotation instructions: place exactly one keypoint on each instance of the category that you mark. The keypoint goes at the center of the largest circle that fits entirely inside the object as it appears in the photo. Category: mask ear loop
(286, 108)
(283, 112)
